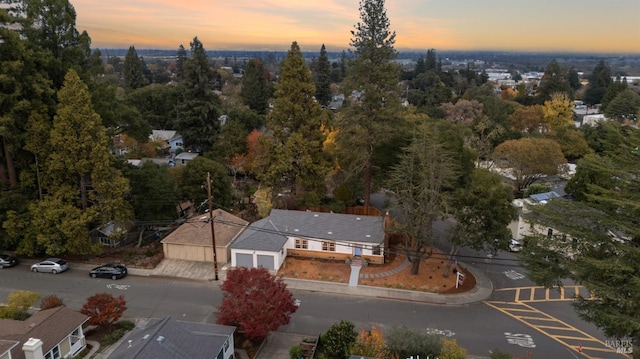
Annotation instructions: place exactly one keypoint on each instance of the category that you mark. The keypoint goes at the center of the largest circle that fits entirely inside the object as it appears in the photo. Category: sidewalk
(171, 268)
(278, 343)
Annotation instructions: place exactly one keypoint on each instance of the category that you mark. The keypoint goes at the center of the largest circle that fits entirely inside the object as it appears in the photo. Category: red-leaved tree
(103, 309)
(255, 301)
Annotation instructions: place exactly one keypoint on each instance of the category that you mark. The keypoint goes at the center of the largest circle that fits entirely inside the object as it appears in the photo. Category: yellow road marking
(564, 294)
(543, 328)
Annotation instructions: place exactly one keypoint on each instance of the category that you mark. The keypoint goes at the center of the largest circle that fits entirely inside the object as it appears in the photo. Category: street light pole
(213, 232)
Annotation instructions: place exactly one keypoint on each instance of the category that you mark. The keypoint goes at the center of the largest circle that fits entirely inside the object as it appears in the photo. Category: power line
(301, 234)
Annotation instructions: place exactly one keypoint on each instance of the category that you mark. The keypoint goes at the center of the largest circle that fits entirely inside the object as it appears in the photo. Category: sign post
(459, 279)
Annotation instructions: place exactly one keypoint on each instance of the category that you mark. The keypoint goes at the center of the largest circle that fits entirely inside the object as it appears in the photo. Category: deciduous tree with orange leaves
(370, 343)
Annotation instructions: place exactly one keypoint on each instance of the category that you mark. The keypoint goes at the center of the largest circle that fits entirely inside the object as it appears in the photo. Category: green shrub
(126, 325)
(295, 352)
(406, 342)
(335, 343)
(535, 189)
(113, 337)
(20, 315)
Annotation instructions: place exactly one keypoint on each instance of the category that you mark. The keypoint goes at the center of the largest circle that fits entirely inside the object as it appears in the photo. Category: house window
(53, 353)
(376, 250)
(329, 246)
(226, 345)
(302, 243)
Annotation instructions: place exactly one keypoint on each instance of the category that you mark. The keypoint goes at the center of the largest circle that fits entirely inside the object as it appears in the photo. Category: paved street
(479, 327)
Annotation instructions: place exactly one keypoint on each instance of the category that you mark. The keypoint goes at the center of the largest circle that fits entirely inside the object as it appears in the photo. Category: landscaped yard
(428, 279)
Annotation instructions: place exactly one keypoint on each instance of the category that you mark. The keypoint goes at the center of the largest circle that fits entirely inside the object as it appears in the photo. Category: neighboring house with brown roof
(193, 240)
(47, 334)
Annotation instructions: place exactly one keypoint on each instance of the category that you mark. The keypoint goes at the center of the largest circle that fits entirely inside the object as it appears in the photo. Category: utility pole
(213, 232)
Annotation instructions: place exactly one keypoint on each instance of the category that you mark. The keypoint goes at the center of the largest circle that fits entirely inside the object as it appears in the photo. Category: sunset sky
(518, 25)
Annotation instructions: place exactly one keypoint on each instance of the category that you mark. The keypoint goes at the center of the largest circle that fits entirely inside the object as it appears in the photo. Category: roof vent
(329, 232)
(368, 236)
(146, 336)
(296, 230)
(358, 218)
(316, 215)
(160, 339)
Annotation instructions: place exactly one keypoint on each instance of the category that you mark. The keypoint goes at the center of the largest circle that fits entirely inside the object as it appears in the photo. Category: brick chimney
(32, 349)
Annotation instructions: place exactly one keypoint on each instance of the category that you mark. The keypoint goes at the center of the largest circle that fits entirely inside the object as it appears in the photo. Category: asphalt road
(477, 327)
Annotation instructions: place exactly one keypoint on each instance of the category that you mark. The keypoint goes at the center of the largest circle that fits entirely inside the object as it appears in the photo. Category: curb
(482, 290)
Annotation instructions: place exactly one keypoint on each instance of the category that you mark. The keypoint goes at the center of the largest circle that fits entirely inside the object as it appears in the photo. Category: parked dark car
(111, 270)
(7, 261)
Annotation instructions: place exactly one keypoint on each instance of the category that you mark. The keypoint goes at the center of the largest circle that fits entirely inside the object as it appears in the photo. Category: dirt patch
(147, 256)
(429, 278)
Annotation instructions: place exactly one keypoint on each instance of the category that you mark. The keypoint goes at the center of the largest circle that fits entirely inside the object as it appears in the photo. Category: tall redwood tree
(255, 301)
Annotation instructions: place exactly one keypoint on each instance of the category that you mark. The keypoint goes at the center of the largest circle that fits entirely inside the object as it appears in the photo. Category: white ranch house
(267, 242)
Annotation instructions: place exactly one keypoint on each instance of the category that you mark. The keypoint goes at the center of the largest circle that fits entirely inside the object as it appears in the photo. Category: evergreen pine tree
(599, 81)
(292, 156)
(133, 76)
(255, 91)
(615, 88)
(198, 109)
(181, 58)
(323, 78)
(375, 77)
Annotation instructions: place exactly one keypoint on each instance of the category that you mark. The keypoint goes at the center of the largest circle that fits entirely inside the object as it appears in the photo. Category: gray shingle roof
(263, 235)
(270, 234)
(170, 338)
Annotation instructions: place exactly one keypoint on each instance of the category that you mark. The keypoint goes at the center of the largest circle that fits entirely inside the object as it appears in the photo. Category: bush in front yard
(121, 328)
(337, 341)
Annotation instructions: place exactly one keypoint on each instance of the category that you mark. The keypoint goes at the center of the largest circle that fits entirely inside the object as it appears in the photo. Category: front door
(358, 252)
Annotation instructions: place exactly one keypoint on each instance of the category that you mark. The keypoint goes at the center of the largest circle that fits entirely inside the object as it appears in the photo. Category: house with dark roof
(173, 339)
(267, 242)
(47, 334)
(193, 240)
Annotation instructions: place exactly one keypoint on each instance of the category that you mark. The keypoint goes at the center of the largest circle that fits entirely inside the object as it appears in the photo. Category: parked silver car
(7, 261)
(50, 265)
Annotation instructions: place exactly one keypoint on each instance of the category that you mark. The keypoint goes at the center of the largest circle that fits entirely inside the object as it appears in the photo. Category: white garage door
(266, 261)
(244, 260)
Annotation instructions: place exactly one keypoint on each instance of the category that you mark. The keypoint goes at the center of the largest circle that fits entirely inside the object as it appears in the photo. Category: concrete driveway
(277, 345)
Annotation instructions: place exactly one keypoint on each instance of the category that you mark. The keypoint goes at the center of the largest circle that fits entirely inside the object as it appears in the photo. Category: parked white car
(515, 246)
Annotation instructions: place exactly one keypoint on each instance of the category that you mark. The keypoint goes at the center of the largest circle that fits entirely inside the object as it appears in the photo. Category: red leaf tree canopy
(255, 301)
(103, 309)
